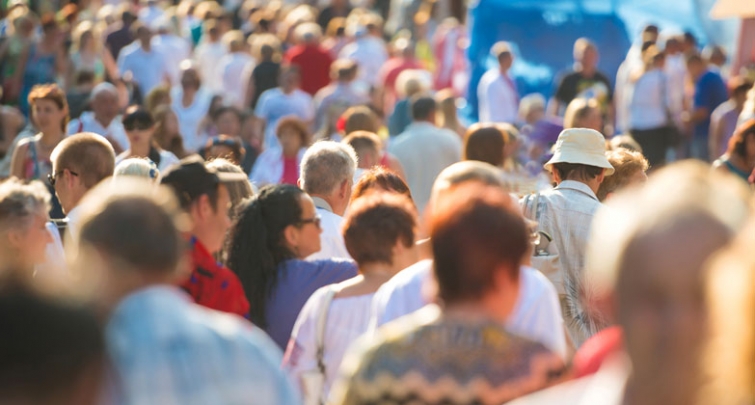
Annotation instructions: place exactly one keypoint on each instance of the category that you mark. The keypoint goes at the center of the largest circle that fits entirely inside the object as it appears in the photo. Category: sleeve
(702, 93)
(121, 62)
(73, 126)
(550, 329)
(301, 353)
(562, 91)
(607, 83)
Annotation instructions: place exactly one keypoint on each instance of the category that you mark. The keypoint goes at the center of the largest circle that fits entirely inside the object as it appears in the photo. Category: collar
(202, 257)
(577, 186)
(322, 204)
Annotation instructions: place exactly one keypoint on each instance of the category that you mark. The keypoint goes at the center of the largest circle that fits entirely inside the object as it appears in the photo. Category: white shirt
(190, 117)
(347, 319)
(424, 150)
(55, 258)
(87, 123)
(208, 55)
(175, 50)
(332, 244)
(167, 159)
(649, 101)
(676, 72)
(149, 68)
(268, 168)
(537, 314)
(274, 105)
(235, 70)
(498, 100)
(72, 231)
(370, 54)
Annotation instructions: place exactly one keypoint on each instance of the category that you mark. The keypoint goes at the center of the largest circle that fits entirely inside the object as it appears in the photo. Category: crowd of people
(272, 202)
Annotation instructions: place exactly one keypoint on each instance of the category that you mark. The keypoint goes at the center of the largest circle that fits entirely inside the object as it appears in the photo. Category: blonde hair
(578, 110)
(626, 163)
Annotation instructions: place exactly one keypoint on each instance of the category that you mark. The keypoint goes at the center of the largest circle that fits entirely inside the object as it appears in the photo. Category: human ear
(291, 236)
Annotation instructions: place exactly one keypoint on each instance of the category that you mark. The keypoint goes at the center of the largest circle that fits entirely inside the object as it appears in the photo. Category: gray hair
(325, 165)
(19, 202)
(103, 88)
(137, 167)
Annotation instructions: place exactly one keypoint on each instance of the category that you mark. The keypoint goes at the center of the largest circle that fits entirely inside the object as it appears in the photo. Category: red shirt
(214, 286)
(314, 66)
(290, 171)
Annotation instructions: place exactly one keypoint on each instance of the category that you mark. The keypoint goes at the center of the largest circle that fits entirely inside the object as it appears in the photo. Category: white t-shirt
(190, 117)
(347, 319)
(175, 50)
(332, 245)
(650, 101)
(537, 314)
(235, 70)
(149, 68)
(208, 55)
(274, 105)
(167, 159)
(87, 123)
(498, 99)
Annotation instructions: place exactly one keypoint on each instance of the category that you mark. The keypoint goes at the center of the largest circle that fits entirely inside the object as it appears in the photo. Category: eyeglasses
(53, 177)
(316, 220)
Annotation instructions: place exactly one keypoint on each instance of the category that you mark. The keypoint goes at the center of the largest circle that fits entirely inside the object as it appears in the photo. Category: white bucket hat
(583, 146)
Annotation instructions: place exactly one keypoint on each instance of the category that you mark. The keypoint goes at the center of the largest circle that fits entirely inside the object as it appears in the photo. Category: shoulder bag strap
(322, 318)
(34, 156)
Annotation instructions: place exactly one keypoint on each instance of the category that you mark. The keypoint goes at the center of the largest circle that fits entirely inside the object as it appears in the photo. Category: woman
(583, 113)
(275, 231)
(137, 167)
(629, 170)
(379, 179)
(31, 158)
(11, 52)
(167, 132)
(281, 166)
(380, 233)
(42, 61)
(87, 54)
(225, 147)
(140, 129)
(23, 224)
(448, 117)
(739, 158)
(649, 107)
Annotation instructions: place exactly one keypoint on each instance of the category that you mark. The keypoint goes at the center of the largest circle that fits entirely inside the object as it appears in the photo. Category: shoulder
(410, 278)
(336, 266)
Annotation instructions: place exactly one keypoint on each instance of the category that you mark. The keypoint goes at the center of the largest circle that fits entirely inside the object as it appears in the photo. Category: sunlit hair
(379, 179)
(738, 141)
(626, 164)
(19, 202)
(360, 118)
(53, 93)
(485, 143)
(578, 110)
(137, 167)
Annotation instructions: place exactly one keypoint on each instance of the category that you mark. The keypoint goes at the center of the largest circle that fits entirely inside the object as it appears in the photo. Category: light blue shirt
(167, 350)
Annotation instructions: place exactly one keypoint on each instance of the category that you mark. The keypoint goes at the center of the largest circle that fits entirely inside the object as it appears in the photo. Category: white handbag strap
(322, 318)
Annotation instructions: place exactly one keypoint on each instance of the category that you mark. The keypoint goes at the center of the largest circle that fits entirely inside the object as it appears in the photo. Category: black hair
(256, 243)
(46, 347)
(576, 171)
(422, 107)
(137, 115)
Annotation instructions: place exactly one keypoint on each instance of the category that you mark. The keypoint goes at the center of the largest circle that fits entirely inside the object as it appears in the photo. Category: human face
(139, 136)
(64, 181)
(171, 124)
(590, 58)
(48, 117)
(105, 107)
(228, 124)
(290, 141)
(661, 305)
(32, 241)
(218, 221)
(594, 120)
(307, 231)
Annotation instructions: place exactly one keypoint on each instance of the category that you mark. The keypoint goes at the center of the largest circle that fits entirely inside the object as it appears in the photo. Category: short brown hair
(360, 118)
(87, 154)
(297, 125)
(53, 93)
(625, 163)
(379, 178)
(473, 232)
(374, 225)
(364, 142)
(738, 141)
(485, 142)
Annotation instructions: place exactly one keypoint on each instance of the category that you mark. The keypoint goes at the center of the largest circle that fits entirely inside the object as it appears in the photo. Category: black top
(264, 77)
(575, 85)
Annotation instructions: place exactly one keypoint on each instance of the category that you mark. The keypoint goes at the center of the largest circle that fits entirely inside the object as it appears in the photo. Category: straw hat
(582, 146)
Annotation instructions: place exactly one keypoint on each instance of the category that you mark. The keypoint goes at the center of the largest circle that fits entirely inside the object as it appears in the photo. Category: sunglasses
(53, 177)
(137, 127)
(316, 220)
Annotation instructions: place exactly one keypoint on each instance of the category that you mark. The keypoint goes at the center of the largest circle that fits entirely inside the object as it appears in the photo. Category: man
(564, 214)
(208, 54)
(723, 120)
(403, 59)
(79, 163)
(121, 36)
(58, 358)
(204, 197)
(338, 96)
(710, 92)
(645, 270)
(190, 102)
(585, 81)
(147, 66)
(497, 93)
(369, 52)
(235, 69)
(327, 175)
(460, 353)
(175, 49)
(424, 150)
(537, 314)
(162, 347)
(313, 61)
(287, 99)
(103, 119)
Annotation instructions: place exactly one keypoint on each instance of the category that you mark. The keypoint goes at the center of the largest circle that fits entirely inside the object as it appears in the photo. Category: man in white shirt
(497, 94)
(235, 69)
(280, 102)
(564, 214)
(208, 54)
(327, 172)
(147, 65)
(424, 150)
(174, 49)
(369, 52)
(103, 119)
(79, 163)
(537, 314)
(190, 103)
